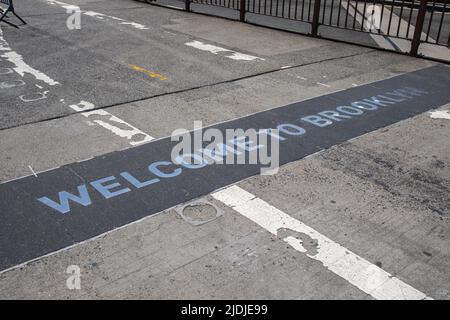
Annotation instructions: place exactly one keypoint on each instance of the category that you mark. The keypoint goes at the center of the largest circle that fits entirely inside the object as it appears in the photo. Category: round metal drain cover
(199, 212)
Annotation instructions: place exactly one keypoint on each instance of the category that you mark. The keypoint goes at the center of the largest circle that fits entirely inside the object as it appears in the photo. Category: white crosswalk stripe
(356, 270)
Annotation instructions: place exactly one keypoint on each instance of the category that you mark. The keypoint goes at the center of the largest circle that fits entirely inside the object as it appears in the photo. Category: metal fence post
(316, 14)
(187, 5)
(418, 28)
(242, 10)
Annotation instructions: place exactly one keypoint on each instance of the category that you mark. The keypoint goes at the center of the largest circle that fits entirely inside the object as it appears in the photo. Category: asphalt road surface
(359, 208)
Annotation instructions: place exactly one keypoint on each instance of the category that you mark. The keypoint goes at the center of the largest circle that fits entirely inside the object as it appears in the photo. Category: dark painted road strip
(30, 228)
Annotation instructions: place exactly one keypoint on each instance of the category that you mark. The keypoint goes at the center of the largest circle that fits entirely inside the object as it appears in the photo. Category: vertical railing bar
(242, 10)
(303, 10)
(331, 12)
(364, 16)
(409, 20)
(289, 11)
(309, 10)
(356, 14)
(415, 43)
(323, 11)
(347, 13)
(339, 13)
(381, 18)
(316, 15)
(400, 18)
(431, 19)
(390, 19)
(441, 22)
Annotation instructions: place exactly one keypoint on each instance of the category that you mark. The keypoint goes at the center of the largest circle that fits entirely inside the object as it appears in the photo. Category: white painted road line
(34, 173)
(97, 15)
(323, 84)
(215, 50)
(20, 67)
(108, 121)
(440, 114)
(356, 270)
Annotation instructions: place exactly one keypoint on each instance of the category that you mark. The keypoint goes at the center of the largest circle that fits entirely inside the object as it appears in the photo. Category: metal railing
(417, 21)
(230, 4)
(398, 19)
(301, 10)
(9, 8)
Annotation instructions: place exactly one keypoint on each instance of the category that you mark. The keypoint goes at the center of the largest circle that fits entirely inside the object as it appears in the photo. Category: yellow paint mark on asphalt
(150, 73)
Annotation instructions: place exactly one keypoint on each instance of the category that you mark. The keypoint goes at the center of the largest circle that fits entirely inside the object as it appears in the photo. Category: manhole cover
(199, 212)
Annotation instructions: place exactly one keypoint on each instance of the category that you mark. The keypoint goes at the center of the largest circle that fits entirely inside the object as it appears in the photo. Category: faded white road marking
(11, 84)
(323, 84)
(94, 14)
(135, 25)
(440, 114)
(103, 16)
(20, 66)
(174, 34)
(34, 96)
(112, 123)
(34, 173)
(108, 121)
(174, 7)
(215, 50)
(344, 263)
(4, 71)
(97, 15)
